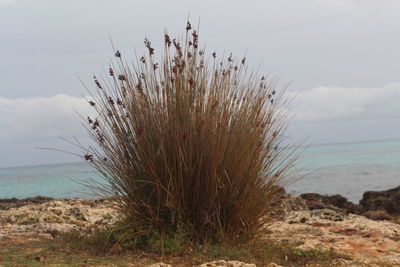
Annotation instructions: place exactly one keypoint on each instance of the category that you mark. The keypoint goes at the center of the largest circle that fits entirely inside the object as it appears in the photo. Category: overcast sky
(341, 57)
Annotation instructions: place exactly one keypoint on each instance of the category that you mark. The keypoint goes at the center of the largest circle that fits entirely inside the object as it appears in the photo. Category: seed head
(97, 82)
(139, 86)
(167, 40)
(100, 138)
(88, 157)
(147, 43)
(188, 26)
(95, 124)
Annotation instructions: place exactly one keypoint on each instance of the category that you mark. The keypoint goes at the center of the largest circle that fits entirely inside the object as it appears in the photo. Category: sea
(348, 169)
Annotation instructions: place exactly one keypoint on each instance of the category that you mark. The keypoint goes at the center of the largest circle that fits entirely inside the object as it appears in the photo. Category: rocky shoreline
(42, 217)
(367, 231)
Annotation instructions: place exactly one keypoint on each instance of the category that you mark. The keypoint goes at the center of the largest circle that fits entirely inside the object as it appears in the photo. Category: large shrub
(189, 142)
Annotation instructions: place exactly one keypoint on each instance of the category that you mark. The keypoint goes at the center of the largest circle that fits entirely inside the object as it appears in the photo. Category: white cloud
(325, 103)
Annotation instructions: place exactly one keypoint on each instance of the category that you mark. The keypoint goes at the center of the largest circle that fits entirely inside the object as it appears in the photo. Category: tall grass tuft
(190, 143)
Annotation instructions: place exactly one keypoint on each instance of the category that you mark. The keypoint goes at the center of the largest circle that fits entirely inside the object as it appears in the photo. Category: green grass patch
(157, 246)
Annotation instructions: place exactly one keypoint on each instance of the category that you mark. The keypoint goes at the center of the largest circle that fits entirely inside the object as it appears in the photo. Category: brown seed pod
(188, 26)
(88, 157)
(97, 82)
(167, 40)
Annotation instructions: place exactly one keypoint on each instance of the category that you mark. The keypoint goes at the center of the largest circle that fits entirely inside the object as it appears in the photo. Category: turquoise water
(347, 169)
(57, 180)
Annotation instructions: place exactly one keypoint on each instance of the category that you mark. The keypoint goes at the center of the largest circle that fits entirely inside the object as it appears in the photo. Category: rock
(160, 264)
(341, 262)
(294, 204)
(45, 217)
(239, 264)
(388, 201)
(315, 205)
(342, 203)
(378, 215)
(327, 214)
(214, 263)
(333, 202)
(272, 264)
(8, 203)
(222, 263)
(355, 236)
(284, 203)
(276, 206)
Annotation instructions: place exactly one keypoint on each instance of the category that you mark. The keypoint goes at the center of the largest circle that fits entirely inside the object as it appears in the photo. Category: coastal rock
(160, 264)
(8, 203)
(388, 201)
(327, 214)
(52, 216)
(222, 263)
(355, 236)
(327, 228)
(285, 203)
(378, 215)
(332, 202)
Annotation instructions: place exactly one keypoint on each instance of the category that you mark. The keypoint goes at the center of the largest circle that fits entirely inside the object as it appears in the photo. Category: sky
(341, 59)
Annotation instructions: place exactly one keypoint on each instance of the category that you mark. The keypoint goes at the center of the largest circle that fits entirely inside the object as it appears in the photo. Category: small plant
(31, 220)
(53, 218)
(107, 217)
(220, 252)
(80, 217)
(190, 141)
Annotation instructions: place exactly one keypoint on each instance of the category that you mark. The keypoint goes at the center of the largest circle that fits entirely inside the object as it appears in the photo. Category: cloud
(327, 104)
(40, 118)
